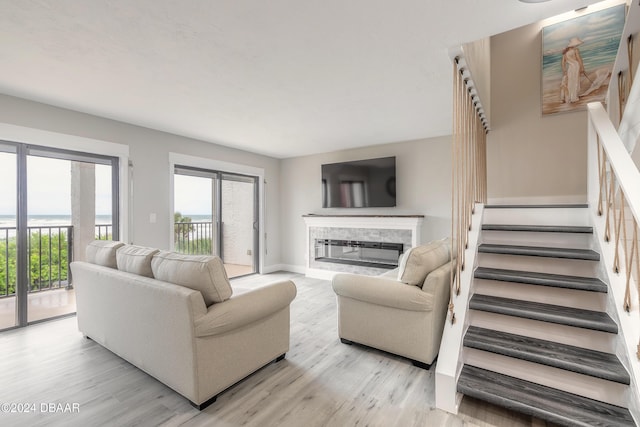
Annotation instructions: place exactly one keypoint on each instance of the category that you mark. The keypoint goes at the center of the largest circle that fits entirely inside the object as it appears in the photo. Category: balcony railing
(104, 231)
(193, 238)
(50, 251)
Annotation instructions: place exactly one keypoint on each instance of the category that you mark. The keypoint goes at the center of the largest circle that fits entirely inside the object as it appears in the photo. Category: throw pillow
(419, 261)
(135, 259)
(202, 273)
(103, 252)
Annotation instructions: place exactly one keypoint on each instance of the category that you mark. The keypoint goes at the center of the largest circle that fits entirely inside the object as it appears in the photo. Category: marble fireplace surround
(381, 228)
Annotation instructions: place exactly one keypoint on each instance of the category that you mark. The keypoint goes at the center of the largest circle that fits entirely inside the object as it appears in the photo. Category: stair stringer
(450, 358)
(626, 343)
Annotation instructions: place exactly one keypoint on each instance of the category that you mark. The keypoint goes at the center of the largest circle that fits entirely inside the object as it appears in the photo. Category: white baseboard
(300, 269)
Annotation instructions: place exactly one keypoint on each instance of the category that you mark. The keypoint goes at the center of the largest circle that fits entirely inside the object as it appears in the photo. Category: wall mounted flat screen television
(369, 183)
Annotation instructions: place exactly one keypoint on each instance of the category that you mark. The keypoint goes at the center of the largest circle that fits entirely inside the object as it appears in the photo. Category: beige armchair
(401, 312)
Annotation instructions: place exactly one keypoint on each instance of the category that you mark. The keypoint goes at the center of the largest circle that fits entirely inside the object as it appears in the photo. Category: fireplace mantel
(393, 222)
(361, 216)
(353, 226)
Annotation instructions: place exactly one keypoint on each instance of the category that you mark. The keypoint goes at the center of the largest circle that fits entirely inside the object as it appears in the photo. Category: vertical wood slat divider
(468, 172)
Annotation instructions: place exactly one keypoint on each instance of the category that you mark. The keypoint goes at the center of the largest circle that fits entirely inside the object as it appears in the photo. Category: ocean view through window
(53, 203)
(47, 221)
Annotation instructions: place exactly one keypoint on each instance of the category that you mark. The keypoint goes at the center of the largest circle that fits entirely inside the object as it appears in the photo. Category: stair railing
(617, 196)
(469, 168)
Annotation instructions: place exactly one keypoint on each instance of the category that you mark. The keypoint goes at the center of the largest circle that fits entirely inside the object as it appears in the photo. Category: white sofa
(197, 335)
(401, 312)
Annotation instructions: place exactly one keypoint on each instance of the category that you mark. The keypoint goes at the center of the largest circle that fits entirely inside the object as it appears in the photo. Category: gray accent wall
(423, 187)
(529, 156)
(293, 185)
(149, 152)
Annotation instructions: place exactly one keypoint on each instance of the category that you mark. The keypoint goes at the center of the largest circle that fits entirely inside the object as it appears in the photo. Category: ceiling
(283, 78)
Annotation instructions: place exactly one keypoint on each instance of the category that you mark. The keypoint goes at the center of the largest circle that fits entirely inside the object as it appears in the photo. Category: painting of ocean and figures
(577, 59)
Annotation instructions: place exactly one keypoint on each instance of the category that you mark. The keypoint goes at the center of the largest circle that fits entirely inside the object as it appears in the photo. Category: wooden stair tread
(584, 361)
(543, 402)
(550, 252)
(539, 228)
(569, 316)
(543, 279)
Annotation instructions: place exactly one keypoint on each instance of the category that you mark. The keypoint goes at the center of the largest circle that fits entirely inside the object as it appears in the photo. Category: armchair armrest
(438, 280)
(245, 308)
(381, 291)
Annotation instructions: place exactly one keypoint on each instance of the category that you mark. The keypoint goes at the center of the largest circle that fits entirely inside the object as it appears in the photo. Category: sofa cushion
(135, 259)
(103, 252)
(391, 274)
(202, 273)
(419, 261)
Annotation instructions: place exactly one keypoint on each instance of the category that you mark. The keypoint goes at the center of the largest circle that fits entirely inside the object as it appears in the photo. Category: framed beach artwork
(577, 59)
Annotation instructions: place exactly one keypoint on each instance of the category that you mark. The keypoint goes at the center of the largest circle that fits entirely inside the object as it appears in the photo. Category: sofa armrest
(246, 308)
(381, 291)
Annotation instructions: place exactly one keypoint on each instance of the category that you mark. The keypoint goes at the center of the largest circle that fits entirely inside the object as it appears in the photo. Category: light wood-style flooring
(321, 382)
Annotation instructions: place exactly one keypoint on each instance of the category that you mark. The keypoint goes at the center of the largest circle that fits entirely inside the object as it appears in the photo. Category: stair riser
(583, 385)
(524, 238)
(579, 337)
(542, 216)
(543, 294)
(570, 267)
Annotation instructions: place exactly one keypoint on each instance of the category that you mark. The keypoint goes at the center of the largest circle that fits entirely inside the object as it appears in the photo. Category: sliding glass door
(194, 231)
(217, 213)
(8, 250)
(61, 201)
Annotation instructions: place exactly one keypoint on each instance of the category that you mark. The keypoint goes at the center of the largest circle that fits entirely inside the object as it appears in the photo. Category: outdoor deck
(41, 305)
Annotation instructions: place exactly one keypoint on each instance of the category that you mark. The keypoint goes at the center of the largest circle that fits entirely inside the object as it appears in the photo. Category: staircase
(539, 339)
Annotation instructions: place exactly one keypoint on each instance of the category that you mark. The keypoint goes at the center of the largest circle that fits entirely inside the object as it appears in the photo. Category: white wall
(528, 155)
(423, 186)
(149, 152)
(237, 218)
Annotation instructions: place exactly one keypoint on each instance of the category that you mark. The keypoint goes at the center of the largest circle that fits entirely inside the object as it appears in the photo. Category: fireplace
(357, 252)
(324, 260)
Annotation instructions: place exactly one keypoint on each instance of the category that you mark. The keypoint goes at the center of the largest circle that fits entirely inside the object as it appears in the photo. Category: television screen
(367, 183)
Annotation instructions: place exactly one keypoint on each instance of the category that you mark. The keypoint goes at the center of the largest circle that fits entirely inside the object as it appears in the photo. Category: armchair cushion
(135, 259)
(419, 261)
(103, 252)
(202, 273)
